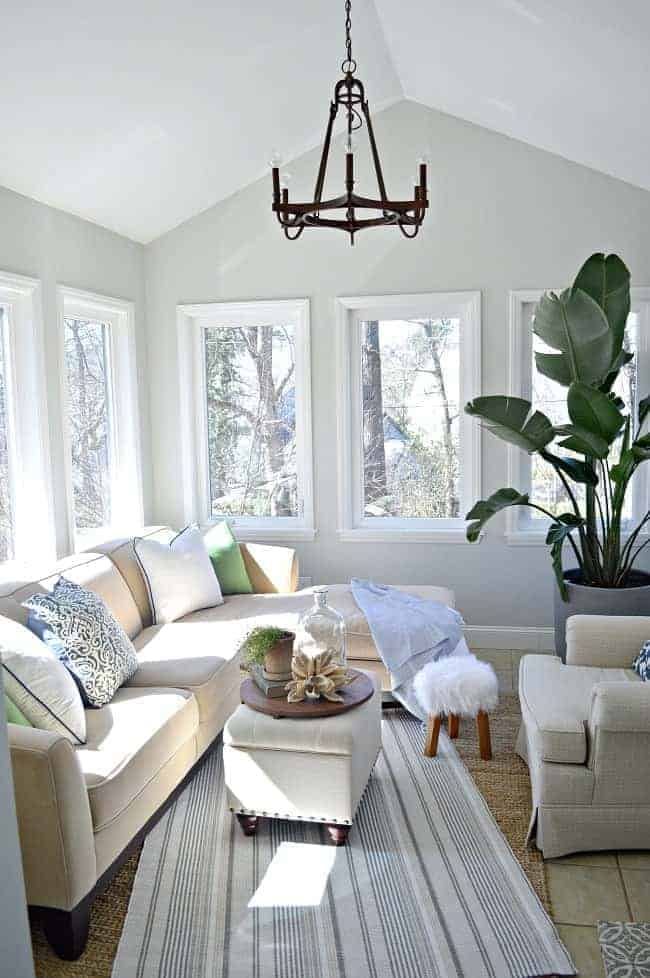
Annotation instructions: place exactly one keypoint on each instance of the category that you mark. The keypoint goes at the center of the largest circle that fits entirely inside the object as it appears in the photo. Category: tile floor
(588, 887)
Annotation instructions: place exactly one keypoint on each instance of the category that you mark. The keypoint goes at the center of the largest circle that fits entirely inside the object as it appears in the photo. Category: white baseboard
(510, 637)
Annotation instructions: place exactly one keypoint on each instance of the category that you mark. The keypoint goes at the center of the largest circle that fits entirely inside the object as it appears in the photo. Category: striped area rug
(427, 887)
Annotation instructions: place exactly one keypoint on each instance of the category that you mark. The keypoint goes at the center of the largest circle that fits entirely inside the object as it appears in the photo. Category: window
(531, 474)
(409, 457)
(101, 417)
(26, 511)
(246, 369)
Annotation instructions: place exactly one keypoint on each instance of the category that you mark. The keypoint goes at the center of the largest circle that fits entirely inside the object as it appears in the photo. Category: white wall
(60, 249)
(503, 216)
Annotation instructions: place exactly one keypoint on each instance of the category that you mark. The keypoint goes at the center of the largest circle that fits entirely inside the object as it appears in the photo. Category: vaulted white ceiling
(137, 115)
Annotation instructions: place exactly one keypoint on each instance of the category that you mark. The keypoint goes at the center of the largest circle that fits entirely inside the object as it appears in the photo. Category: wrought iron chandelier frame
(349, 94)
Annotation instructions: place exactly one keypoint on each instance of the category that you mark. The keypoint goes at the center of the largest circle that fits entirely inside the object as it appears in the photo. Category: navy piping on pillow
(44, 705)
(154, 615)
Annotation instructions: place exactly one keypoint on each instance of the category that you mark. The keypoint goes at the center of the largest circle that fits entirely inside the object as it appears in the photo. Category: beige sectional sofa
(585, 735)
(80, 809)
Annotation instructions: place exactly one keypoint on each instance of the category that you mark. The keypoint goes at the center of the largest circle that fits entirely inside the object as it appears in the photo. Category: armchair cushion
(620, 708)
(556, 701)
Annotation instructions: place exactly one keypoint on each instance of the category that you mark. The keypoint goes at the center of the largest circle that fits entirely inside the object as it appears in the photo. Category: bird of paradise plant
(585, 326)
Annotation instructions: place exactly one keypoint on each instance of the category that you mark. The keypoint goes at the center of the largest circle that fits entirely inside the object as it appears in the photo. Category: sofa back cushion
(122, 554)
(94, 571)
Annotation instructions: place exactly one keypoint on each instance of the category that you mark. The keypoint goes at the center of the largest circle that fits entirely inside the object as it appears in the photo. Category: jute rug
(503, 782)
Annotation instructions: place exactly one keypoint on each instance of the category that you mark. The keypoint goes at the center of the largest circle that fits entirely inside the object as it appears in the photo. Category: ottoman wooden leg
(484, 742)
(453, 725)
(338, 833)
(433, 732)
(248, 823)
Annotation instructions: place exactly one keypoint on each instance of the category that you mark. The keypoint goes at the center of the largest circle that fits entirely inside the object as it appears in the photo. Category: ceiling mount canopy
(343, 212)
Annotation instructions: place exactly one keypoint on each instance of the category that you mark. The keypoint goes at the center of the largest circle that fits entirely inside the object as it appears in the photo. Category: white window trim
(29, 462)
(520, 385)
(127, 510)
(352, 527)
(191, 320)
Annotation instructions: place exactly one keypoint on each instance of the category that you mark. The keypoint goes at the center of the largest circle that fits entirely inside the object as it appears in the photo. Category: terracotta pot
(277, 661)
(585, 600)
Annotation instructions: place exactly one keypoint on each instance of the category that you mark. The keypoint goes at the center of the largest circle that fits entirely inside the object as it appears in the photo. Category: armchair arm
(619, 743)
(608, 641)
(272, 570)
(54, 820)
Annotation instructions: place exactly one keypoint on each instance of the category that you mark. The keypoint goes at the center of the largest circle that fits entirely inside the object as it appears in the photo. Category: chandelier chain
(348, 28)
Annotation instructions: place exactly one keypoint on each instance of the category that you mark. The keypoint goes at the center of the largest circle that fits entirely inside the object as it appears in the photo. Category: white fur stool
(453, 687)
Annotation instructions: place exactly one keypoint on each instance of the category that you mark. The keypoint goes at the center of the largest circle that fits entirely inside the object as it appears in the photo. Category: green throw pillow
(13, 713)
(227, 560)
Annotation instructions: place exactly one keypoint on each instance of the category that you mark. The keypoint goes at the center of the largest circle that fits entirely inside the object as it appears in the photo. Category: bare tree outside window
(410, 380)
(6, 508)
(251, 420)
(550, 397)
(89, 421)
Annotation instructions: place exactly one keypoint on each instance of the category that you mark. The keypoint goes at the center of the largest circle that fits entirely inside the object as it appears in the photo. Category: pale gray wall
(60, 249)
(503, 216)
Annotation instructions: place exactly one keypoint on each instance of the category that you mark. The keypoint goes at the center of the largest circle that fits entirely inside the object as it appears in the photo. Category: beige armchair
(585, 735)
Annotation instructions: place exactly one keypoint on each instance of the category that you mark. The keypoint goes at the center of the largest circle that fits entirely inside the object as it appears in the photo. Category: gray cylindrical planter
(585, 600)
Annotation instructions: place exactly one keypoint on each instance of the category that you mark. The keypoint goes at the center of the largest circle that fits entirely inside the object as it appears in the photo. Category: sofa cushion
(555, 703)
(90, 570)
(190, 655)
(122, 554)
(128, 742)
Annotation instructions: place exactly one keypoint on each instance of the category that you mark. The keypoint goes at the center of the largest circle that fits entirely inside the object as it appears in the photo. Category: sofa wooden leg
(484, 741)
(453, 725)
(338, 833)
(67, 930)
(433, 732)
(248, 823)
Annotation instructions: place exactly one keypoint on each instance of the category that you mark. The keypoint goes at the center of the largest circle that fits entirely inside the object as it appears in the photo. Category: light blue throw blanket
(408, 632)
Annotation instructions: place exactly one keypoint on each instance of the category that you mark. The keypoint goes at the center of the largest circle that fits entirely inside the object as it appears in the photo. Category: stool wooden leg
(484, 742)
(453, 725)
(433, 732)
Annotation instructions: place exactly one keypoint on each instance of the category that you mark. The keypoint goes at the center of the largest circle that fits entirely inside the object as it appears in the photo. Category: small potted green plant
(271, 648)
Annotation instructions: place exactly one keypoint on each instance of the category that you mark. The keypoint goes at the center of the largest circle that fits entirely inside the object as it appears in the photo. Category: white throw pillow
(179, 575)
(40, 685)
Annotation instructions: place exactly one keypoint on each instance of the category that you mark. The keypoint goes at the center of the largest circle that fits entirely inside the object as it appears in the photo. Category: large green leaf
(594, 411)
(574, 324)
(582, 441)
(576, 469)
(513, 420)
(607, 280)
(485, 509)
(555, 366)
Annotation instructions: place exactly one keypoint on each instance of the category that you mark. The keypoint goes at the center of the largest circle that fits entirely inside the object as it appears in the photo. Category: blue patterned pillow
(642, 662)
(87, 638)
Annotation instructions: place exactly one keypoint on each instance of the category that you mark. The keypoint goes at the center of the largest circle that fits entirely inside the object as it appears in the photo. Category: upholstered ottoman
(311, 770)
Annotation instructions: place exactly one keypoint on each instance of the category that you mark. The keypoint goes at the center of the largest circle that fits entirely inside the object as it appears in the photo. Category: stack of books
(270, 687)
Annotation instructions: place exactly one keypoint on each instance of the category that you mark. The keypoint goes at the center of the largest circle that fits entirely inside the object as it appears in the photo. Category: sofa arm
(619, 743)
(272, 570)
(54, 820)
(620, 707)
(608, 641)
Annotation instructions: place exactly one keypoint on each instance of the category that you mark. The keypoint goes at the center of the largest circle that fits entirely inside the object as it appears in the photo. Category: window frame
(350, 311)
(520, 531)
(127, 508)
(192, 320)
(29, 442)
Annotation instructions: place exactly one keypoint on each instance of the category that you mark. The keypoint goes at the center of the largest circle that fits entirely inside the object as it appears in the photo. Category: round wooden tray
(359, 690)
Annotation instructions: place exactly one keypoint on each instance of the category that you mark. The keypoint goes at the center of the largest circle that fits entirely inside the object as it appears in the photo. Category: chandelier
(344, 212)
